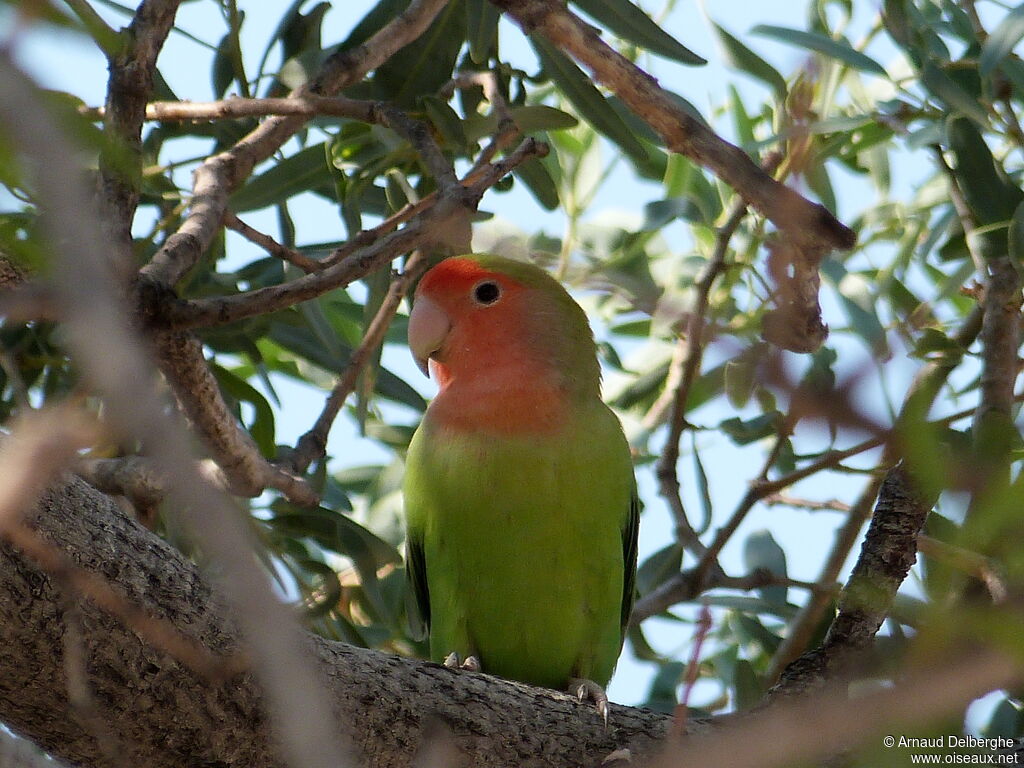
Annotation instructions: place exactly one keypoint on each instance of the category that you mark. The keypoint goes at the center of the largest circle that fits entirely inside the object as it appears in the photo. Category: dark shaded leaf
(589, 101)
(303, 171)
(630, 23)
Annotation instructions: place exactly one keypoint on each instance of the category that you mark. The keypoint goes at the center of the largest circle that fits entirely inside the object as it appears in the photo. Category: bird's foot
(470, 664)
(584, 689)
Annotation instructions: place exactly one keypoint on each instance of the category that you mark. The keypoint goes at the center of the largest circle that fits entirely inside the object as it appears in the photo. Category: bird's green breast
(522, 540)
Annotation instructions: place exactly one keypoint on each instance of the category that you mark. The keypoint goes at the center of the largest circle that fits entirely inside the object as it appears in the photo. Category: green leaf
(745, 60)
(748, 604)
(1006, 720)
(746, 685)
(946, 90)
(991, 196)
(223, 71)
(262, 427)
(702, 486)
(446, 120)
(857, 296)
(1016, 235)
(661, 697)
(589, 101)
(632, 24)
(660, 213)
(425, 64)
(541, 117)
(1002, 40)
(739, 381)
(303, 171)
(827, 46)
(762, 552)
(659, 567)
(482, 29)
(537, 179)
(744, 432)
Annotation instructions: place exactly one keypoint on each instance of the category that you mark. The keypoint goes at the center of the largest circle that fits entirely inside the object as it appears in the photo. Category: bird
(520, 499)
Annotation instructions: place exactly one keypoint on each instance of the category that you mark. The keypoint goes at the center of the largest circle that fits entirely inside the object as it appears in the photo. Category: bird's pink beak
(428, 328)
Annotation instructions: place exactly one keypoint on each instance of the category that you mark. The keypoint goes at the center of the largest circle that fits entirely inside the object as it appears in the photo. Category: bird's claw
(584, 689)
(470, 664)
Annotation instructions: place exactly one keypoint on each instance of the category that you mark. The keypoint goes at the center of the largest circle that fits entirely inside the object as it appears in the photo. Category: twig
(689, 353)
(308, 105)
(682, 710)
(222, 173)
(432, 225)
(312, 446)
(806, 223)
(830, 505)
(271, 246)
(689, 584)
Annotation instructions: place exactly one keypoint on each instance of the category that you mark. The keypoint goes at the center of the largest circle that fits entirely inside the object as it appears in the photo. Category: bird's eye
(487, 292)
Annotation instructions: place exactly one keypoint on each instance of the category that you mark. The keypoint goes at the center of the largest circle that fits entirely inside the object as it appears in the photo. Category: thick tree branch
(247, 471)
(132, 68)
(805, 223)
(887, 554)
(157, 707)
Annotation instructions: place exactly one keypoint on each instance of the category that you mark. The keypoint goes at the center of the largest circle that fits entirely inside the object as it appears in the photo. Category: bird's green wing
(630, 534)
(416, 573)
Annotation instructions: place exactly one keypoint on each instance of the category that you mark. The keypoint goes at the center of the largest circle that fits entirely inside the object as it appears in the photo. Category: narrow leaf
(592, 105)
(632, 24)
(304, 170)
(1002, 40)
(742, 58)
(827, 46)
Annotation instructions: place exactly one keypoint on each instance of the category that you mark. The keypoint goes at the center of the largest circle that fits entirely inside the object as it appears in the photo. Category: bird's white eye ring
(486, 292)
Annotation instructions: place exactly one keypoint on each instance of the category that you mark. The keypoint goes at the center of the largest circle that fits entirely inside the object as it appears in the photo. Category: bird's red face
(466, 319)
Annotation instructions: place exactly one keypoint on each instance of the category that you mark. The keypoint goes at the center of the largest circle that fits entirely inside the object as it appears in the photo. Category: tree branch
(433, 225)
(312, 446)
(221, 174)
(806, 223)
(247, 471)
(386, 703)
(886, 556)
(132, 67)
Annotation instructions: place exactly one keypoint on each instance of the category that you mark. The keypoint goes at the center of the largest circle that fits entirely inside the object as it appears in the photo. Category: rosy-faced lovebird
(520, 501)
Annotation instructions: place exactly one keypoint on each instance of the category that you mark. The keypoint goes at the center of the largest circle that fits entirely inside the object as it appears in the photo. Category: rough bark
(158, 713)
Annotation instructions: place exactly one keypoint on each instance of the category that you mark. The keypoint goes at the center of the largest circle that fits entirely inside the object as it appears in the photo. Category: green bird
(520, 500)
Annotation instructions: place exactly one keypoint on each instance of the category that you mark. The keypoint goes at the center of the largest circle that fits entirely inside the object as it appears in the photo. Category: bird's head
(488, 317)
